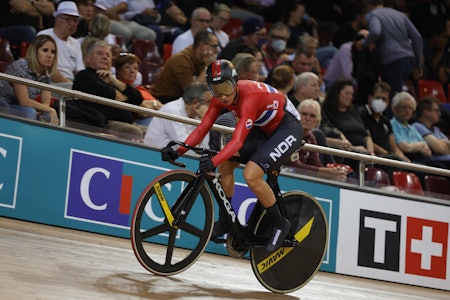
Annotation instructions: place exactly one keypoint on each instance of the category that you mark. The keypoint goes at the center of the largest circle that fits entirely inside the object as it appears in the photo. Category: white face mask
(378, 105)
(279, 45)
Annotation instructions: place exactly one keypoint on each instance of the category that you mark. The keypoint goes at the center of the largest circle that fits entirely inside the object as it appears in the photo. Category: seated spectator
(310, 118)
(185, 67)
(299, 23)
(273, 50)
(39, 63)
(379, 125)
(127, 29)
(306, 86)
(99, 29)
(407, 137)
(303, 61)
(70, 57)
(200, 21)
(36, 13)
(283, 78)
(220, 18)
(253, 36)
(193, 104)
(262, 71)
(246, 66)
(87, 12)
(341, 123)
(323, 54)
(428, 113)
(127, 69)
(147, 13)
(97, 79)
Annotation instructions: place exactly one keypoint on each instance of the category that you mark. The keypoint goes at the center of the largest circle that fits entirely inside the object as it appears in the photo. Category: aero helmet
(221, 77)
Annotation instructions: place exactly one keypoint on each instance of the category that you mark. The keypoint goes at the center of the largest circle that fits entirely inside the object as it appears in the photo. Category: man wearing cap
(70, 58)
(253, 36)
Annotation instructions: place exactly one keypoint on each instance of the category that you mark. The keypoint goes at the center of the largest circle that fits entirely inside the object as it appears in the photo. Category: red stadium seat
(437, 184)
(146, 51)
(233, 28)
(431, 88)
(407, 182)
(377, 175)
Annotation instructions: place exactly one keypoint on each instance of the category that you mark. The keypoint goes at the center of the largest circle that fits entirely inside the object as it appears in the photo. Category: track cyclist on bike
(267, 133)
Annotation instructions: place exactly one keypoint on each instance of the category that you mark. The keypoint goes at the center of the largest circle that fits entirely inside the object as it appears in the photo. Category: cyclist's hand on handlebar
(168, 154)
(206, 165)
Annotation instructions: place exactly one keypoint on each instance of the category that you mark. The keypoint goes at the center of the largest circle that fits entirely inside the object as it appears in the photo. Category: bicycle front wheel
(183, 241)
(292, 266)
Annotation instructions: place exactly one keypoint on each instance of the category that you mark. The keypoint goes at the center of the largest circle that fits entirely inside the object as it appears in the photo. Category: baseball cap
(251, 25)
(66, 8)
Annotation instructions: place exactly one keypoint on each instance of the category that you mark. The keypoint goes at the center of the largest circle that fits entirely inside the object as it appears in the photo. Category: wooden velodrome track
(45, 262)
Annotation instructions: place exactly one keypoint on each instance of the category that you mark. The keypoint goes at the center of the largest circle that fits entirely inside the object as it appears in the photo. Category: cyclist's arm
(200, 132)
(237, 141)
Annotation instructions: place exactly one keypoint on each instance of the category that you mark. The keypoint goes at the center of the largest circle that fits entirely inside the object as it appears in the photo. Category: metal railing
(362, 158)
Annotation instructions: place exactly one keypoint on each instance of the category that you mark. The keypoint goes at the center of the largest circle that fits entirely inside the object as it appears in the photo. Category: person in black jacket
(97, 79)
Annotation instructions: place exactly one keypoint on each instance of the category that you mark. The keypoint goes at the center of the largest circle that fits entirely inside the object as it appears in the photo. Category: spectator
(306, 86)
(146, 13)
(354, 15)
(246, 66)
(428, 114)
(343, 122)
(303, 61)
(70, 57)
(87, 12)
(341, 65)
(407, 137)
(283, 78)
(200, 21)
(28, 12)
(262, 71)
(125, 28)
(193, 104)
(39, 63)
(323, 54)
(310, 112)
(273, 50)
(253, 36)
(99, 29)
(379, 126)
(299, 22)
(185, 67)
(220, 18)
(398, 44)
(127, 70)
(97, 79)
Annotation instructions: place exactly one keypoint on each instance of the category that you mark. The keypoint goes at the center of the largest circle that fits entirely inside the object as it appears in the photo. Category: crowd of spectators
(352, 59)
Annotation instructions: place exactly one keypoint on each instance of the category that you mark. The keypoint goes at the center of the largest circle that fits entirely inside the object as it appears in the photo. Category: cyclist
(268, 131)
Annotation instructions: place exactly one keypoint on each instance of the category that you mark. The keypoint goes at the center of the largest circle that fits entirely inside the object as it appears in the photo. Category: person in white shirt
(70, 58)
(193, 104)
(200, 21)
(220, 17)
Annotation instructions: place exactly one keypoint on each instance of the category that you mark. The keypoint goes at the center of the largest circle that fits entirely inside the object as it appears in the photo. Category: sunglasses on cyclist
(225, 88)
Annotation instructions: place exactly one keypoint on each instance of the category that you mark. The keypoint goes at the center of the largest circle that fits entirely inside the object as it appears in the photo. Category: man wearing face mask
(253, 36)
(273, 50)
(378, 125)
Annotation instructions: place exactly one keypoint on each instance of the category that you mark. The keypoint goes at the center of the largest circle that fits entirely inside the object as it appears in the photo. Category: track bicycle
(176, 211)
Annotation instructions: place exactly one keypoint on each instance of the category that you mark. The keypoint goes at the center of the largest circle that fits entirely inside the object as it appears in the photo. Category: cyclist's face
(224, 91)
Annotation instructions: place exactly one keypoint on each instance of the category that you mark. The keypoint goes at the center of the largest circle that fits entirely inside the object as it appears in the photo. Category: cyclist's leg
(226, 170)
(276, 149)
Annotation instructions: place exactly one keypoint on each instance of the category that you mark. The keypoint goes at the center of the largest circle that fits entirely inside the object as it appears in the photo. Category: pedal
(219, 240)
